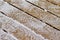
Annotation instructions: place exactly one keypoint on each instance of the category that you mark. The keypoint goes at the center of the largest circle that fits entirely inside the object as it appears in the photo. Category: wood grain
(18, 30)
(38, 13)
(57, 2)
(29, 20)
(34, 24)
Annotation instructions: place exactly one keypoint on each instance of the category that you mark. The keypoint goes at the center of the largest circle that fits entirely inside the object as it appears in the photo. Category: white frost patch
(1, 2)
(33, 0)
(58, 1)
(6, 8)
(37, 25)
(25, 4)
(45, 10)
(13, 36)
(1, 14)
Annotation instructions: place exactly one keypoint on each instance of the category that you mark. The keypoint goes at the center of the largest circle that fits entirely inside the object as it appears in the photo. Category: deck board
(48, 6)
(41, 3)
(38, 13)
(26, 21)
(18, 30)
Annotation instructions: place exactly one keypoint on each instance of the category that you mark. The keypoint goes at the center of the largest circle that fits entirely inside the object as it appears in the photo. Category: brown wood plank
(18, 30)
(54, 9)
(57, 2)
(38, 13)
(32, 23)
(42, 3)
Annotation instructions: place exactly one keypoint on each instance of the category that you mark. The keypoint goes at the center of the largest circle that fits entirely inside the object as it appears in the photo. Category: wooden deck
(29, 19)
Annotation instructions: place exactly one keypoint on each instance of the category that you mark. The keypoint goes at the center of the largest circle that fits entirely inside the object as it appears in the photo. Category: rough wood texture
(57, 2)
(38, 13)
(5, 36)
(17, 29)
(47, 5)
(22, 20)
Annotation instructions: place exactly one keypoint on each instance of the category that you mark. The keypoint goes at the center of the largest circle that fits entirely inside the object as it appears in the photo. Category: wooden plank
(48, 6)
(57, 2)
(18, 30)
(6, 36)
(41, 3)
(38, 13)
(32, 23)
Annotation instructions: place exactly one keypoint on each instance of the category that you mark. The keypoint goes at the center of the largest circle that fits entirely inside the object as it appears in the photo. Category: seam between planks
(53, 3)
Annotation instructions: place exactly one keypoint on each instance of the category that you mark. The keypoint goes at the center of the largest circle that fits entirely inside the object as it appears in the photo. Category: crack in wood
(4, 30)
(3, 13)
(53, 3)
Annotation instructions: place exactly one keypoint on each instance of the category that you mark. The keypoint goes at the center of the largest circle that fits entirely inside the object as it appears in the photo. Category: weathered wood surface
(26, 24)
(38, 13)
(5, 36)
(54, 9)
(17, 29)
(56, 2)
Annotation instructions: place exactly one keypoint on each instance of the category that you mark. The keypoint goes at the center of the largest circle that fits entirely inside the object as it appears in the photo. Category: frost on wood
(30, 22)
(19, 30)
(47, 5)
(57, 2)
(6, 36)
(39, 13)
(27, 27)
